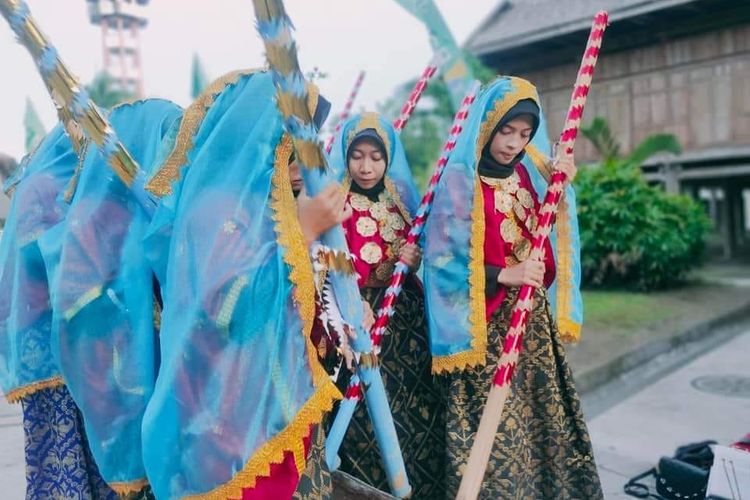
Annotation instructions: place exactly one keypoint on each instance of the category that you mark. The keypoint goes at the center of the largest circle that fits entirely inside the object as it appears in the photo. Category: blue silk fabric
(26, 361)
(239, 383)
(399, 181)
(454, 236)
(102, 287)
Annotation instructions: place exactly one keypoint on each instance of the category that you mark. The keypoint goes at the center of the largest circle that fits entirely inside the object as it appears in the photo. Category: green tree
(605, 143)
(104, 93)
(634, 235)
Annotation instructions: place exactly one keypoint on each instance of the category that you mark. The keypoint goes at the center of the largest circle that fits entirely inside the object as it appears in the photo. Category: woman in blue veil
(241, 393)
(477, 245)
(104, 335)
(58, 460)
(371, 162)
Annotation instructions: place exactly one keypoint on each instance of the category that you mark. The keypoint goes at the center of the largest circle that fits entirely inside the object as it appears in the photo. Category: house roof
(515, 23)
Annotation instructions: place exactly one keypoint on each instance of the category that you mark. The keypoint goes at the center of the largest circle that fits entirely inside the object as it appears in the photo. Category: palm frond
(652, 145)
(600, 135)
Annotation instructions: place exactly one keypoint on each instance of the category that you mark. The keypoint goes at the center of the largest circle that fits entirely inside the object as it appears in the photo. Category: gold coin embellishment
(503, 201)
(395, 221)
(522, 249)
(520, 211)
(379, 210)
(387, 233)
(509, 230)
(366, 226)
(491, 182)
(532, 222)
(371, 253)
(359, 202)
(524, 196)
(511, 184)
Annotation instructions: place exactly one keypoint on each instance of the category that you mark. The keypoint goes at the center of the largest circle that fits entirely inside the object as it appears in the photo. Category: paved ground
(12, 477)
(707, 398)
(629, 437)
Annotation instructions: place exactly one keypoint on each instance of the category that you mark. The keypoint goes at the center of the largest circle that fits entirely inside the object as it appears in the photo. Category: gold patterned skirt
(542, 448)
(59, 464)
(415, 401)
(315, 483)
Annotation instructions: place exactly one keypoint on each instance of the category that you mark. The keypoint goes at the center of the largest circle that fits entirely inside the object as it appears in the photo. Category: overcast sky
(339, 36)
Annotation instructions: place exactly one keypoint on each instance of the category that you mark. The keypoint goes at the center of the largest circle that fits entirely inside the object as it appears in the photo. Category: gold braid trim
(477, 355)
(272, 452)
(393, 192)
(289, 237)
(371, 120)
(540, 160)
(230, 303)
(169, 172)
(570, 331)
(15, 395)
(129, 487)
(291, 439)
(20, 169)
(81, 146)
(346, 184)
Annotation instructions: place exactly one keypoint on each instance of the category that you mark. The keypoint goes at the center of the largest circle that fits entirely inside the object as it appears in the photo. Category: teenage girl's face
(510, 140)
(366, 164)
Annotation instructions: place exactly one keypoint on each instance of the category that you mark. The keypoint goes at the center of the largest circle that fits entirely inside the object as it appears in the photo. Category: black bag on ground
(683, 476)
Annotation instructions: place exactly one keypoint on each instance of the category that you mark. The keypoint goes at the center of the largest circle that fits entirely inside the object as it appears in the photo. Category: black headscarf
(488, 166)
(372, 135)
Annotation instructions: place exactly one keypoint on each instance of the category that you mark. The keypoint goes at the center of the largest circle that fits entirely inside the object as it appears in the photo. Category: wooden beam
(714, 172)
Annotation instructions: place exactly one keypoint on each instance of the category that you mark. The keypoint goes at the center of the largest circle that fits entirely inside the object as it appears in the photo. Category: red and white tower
(121, 21)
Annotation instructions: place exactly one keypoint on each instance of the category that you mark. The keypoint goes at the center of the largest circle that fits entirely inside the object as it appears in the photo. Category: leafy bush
(634, 235)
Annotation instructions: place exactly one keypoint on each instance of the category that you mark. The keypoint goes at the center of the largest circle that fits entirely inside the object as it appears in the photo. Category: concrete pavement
(707, 398)
(12, 473)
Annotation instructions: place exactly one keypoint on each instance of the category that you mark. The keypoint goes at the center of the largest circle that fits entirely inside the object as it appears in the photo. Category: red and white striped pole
(416, 93)
(406, 110)
(354, 392)
(493, 409)
(346, 111)
(387, 308)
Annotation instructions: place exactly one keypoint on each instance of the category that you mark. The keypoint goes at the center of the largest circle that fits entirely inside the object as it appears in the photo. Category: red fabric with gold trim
(510, 218)
(283, 480)
(374, 233)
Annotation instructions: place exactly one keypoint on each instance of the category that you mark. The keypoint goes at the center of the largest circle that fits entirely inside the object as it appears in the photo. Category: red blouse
(511, 211)
(375, 233)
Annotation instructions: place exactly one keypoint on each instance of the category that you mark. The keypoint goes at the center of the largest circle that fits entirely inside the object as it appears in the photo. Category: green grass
(626, 310)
